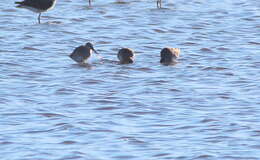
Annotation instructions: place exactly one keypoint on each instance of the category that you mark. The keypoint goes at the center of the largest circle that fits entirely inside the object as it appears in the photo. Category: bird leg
(159, 3)
(89, 3)
(39, 18)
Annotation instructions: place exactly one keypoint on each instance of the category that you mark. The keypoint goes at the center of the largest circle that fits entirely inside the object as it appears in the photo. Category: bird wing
(39, 4)
(78, 54)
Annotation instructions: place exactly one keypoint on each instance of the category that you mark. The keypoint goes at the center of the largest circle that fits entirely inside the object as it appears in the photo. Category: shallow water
(204, 107)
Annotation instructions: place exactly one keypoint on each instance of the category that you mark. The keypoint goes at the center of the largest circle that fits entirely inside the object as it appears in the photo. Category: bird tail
(20, 4)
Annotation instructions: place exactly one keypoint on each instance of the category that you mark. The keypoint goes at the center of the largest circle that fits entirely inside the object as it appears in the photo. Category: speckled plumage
(125, 56)
(169, 55)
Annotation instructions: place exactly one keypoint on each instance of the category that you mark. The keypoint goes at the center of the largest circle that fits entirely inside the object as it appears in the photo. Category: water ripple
(206, 106)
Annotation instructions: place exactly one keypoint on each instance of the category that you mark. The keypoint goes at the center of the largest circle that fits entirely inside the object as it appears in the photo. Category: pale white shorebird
(82, 53)
(37, 6)
(169, 55)
(126, 56)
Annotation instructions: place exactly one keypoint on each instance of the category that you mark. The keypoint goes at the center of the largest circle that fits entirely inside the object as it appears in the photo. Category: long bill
(95, 51)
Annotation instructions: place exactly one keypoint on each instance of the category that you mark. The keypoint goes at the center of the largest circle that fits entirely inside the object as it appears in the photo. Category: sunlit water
(207, 106)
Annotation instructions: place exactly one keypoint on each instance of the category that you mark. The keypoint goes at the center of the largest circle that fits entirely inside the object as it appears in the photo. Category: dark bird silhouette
(125, 56)
(82, 53)
(169, 55)
(37, 6)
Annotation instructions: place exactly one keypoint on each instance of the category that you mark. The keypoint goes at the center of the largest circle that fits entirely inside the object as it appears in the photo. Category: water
(204, 107)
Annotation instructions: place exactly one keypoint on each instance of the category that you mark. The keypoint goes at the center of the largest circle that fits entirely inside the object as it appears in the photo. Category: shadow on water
(84, 65)
(170, 63)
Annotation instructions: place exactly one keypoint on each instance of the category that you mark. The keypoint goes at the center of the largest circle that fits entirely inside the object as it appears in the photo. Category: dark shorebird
(159, 3)
(82, 53)
(37, 6)
(125, 56)
(169, 55)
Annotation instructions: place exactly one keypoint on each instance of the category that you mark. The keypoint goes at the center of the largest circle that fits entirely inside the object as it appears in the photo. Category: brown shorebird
(82, 53)
(159, 3)
(169, 55)
(125, 56)
(37, 6)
